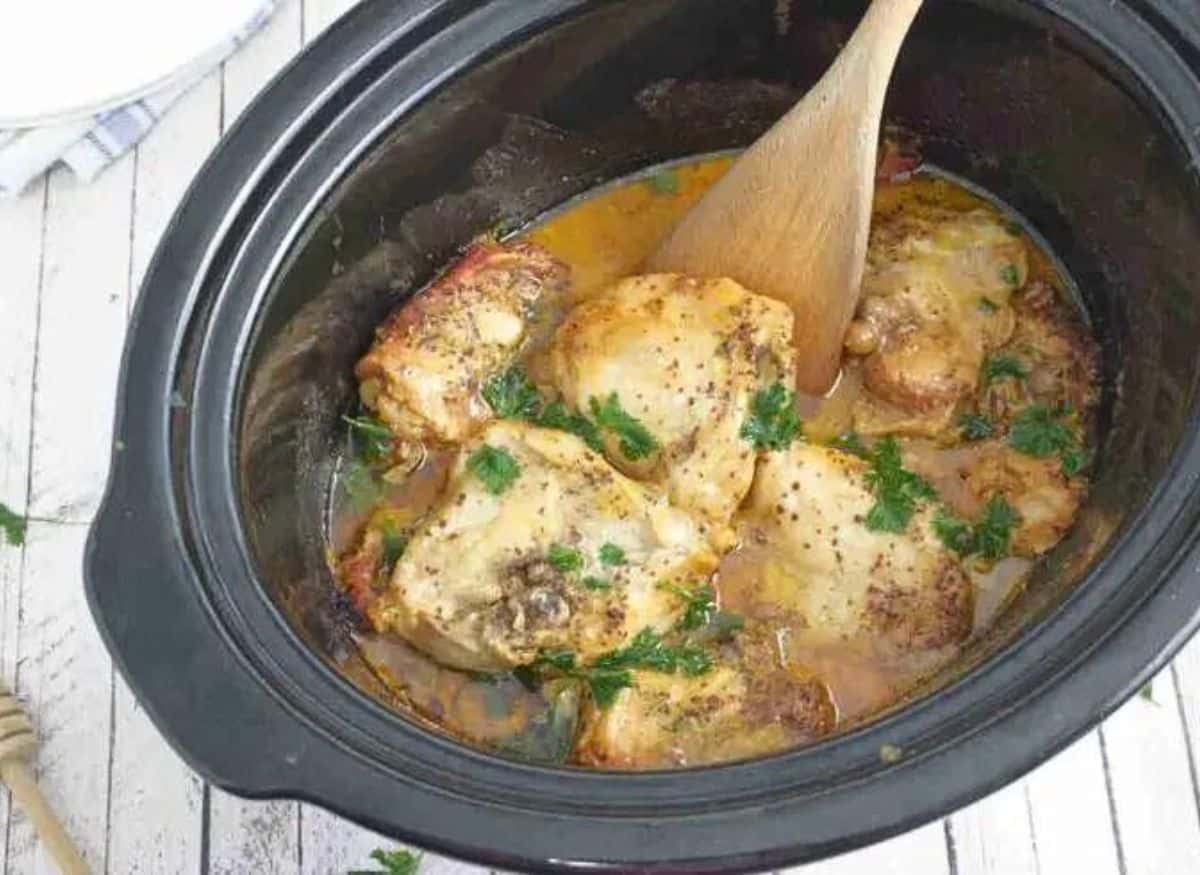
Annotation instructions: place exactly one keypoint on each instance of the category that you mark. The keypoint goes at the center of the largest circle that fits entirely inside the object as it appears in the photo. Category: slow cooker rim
(97, 547)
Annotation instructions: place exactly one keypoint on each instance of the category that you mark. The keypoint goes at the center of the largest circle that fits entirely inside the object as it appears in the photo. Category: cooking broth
(602, 238)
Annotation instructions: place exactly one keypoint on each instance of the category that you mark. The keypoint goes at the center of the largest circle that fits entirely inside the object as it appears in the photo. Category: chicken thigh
(684, 357)
(935, 300)
(537, 543)
(423, 374)
(838, 578)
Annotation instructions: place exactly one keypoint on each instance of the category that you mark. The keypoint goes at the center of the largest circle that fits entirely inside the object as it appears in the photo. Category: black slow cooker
(412, 126)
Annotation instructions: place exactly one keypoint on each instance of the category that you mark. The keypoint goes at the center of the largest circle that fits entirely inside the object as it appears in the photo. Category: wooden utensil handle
(29, 797)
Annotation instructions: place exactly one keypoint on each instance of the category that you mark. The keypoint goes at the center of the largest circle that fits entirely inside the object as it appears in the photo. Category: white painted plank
(20, 265)
(156, 801)
(1158, 829)
(994, 836)
(82, 328)
(65, 678)
(319, 14)
(1072, 820)
(919, 852)
(257, 62)
(330, 844)
(251, 836)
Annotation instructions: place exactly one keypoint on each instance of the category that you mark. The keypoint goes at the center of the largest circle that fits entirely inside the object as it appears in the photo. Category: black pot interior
(1005, 94)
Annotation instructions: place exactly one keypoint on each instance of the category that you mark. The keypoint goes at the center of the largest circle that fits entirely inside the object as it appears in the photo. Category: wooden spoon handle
(29, 796)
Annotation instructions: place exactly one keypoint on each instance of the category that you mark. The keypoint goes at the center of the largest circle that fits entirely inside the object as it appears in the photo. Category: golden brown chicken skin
(684, 357)
(423, 374)
(935, 301)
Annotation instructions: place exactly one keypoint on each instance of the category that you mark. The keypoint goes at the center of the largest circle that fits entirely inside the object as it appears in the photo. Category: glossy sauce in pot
(602, 237)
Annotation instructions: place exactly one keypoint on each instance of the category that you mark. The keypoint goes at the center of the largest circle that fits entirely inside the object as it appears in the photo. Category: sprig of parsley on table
(635, 439)
(402, 862)
(13, 525)
(773, 422)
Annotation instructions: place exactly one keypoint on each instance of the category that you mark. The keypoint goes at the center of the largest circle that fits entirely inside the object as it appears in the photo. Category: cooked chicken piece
(503, 567)
(935, 300)
(423, 374)
(1058, 355)
(685, 357)
(1045, 500)
(836, 576)
(732, 712)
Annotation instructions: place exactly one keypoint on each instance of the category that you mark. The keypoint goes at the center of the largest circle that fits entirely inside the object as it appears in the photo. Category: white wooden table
(1122, 801)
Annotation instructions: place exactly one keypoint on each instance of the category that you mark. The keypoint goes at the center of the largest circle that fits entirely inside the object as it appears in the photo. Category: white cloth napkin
(89, 145)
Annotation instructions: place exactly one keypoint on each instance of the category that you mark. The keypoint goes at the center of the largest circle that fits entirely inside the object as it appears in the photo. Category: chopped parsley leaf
(560, 660)
(988, 538)
(395, 542)
(987, 305)
(636, 442)
(975, 427)
(699, 605)
(773, 422)
(665, 182)
(647, 650)
(1009, 275)
(1040, 432)
(511, 395)
(850, 442)
(402, 862)
(495, 467)
(360, 485)
(605, 684)
(992, 533)
(610, 554)
(13, 525)
(897, 490)
(564, 558)
(556, 415)
(596, 584)
(372, 436)
(997, 367)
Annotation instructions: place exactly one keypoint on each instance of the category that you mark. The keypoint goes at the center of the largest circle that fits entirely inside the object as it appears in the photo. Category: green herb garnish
(1147, 692)
(897, 490)
(988, 538)
(665, 182)
(992, 533)
(851, 443)
(557, 416)
(395, 542)
(1040, 432)
(773, 422)
(495, 466)
(605, 684)
(610, 554)
(373, 436)
(987, 305)
(1010, 276)
(512, 395)
(393, 863)
(636, 442)
(699, 605)
(13, 525)
(997, 367)
(647, 650)
(360, 485)
(596, 584)
(975, 427)
(564, 558)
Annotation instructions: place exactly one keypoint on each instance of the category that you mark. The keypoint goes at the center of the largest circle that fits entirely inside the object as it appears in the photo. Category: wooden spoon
(790, 219)
(17, 742)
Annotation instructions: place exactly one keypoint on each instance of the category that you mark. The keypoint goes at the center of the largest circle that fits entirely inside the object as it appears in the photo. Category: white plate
(65, 59)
